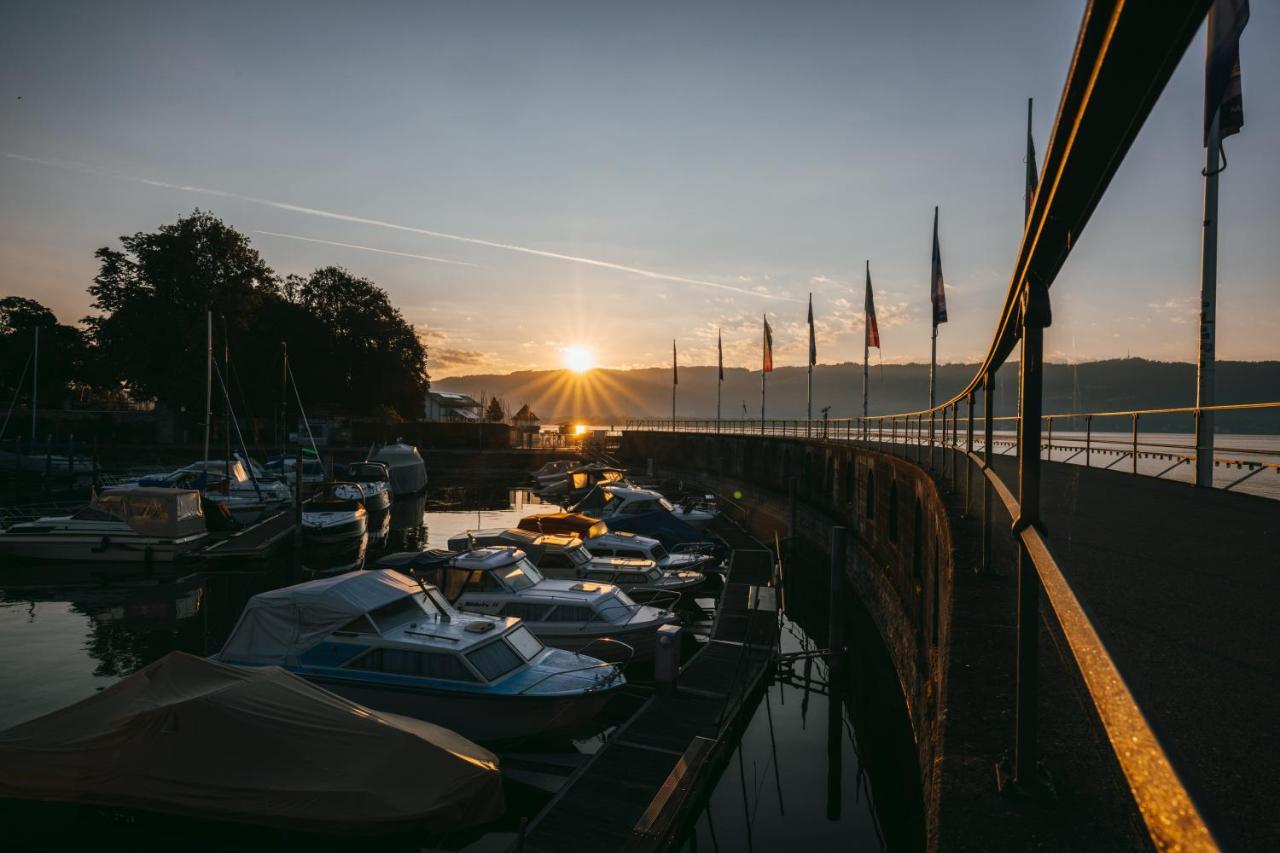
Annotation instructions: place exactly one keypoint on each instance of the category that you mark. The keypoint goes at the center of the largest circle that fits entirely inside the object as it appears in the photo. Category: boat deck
(639, 791)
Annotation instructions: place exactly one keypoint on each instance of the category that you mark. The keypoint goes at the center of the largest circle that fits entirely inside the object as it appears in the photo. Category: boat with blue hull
(381, 639)
(640, 511)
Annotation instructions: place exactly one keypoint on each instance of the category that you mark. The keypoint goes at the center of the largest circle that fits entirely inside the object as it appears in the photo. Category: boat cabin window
(402, 611)
(654, 574)
(526, 644)
(407, 662)
(559, 560)
(616, 608)
(602, 576)
(575, 613)
(611, 477)
(580, 556)
(632, 554)
(358, 625)
(523, 610)
(520, 575)
(494, 660)
(657, 552)
(638, 507)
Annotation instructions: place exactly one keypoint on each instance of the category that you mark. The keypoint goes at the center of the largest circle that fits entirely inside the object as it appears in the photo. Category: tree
(62, 352)
(494, 412)
(375, 356)
(153, 295)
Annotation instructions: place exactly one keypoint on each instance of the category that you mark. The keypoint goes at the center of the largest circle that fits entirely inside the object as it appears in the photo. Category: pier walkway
(637, 792)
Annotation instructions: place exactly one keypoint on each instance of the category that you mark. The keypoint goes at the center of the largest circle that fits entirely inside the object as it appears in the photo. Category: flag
(720, 353)
(813, 343)
(768, 347)
(1033, 174)
(869, 310)
(937, 291)
(675, 371)
(1222, 67)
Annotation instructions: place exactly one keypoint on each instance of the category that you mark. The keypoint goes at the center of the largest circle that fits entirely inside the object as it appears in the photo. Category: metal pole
(1205, 366)
(988, 408)
(1049, 442)
(208, 388)
(1088, 439)
(968, 463)
(1135, 442)
(1035, 317)
(763, 374)
(284, 405)
(35, 383)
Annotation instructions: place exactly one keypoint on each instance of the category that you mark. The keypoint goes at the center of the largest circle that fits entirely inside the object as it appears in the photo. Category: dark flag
(720, 353)
(768, 347)
(872, 337)
(1222, 67)
(675, 371)
(813, 343)
(1033, 174)
(937, 291)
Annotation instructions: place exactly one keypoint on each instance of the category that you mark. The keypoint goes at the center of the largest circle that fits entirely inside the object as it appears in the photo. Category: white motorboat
(565, 557)
(602, 542)
(248, 499)
(566, 613)
(335, 529)
(386, 641)
(125, 526)
(404, 462)
(375, 482)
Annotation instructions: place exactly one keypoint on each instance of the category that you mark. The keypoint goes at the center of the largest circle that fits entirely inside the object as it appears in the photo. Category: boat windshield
(658, 552)
(525, 643)
(402, 611)
(616, 608)
(654, 574)
(496, 659)
(580, 556)
(520, 575)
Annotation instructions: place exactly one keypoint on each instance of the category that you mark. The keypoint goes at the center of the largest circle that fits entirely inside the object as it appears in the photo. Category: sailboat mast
(35, 386)
(226, 401)
(284, 403)
(208, 387)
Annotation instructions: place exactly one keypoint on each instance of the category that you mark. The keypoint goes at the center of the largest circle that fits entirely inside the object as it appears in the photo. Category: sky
(524, 178)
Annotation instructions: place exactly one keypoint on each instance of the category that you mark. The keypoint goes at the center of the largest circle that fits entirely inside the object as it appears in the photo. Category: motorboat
(578, 482)
(566, 557)
(335, 528)
(404, 462)
(124, 526)
(553, 472)
(286, 468)
(224, 482)
(566, 613)
(389, 642)
(602, 542)
(643, 511)
(375, 482)
(194, 738)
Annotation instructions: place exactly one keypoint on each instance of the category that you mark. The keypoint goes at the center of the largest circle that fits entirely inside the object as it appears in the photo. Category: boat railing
(615, 671)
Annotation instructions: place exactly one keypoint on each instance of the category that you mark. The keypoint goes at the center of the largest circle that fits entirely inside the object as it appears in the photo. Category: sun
(579, 359)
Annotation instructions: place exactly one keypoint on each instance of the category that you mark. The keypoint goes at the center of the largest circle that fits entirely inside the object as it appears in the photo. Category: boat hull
(487, 719)
(95, 548)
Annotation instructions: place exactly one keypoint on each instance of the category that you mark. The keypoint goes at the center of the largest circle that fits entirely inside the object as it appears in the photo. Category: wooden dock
(640, 790)
(259, 541)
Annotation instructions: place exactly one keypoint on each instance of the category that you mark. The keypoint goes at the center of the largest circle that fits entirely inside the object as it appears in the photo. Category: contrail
(381, 223)
(363, 248)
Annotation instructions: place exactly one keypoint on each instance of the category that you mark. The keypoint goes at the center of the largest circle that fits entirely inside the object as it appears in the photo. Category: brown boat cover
(189, 736)
(565, 524)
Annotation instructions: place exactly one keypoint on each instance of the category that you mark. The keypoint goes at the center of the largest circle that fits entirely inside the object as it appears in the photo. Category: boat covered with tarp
(191, 737)
(404, 464)
(139, 524)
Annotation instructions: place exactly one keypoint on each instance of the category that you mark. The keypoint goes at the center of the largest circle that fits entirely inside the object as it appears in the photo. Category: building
(525, 420)
(448, 407)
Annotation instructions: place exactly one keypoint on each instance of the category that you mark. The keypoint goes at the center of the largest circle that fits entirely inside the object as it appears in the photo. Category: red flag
(869, 312)
(768, 347)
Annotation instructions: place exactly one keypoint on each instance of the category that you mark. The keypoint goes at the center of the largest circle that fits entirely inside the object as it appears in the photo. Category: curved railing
(1124, 55)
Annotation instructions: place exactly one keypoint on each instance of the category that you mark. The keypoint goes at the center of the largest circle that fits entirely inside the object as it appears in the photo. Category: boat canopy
(279, 625)
(404, 463)
(565, 523)
(150, 510)
(189, 736)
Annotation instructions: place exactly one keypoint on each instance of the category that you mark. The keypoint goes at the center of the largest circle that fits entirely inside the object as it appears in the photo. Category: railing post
(1049, 442)
(1135, 442)
(955, 444)
(968, 463)
(988, 429)
(1088, 439)
(1035, 317)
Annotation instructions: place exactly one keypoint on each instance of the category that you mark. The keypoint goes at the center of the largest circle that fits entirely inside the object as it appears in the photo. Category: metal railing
(1125, 53)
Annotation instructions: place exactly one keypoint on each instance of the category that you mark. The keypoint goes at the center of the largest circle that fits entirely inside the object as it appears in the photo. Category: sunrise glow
(579, 359)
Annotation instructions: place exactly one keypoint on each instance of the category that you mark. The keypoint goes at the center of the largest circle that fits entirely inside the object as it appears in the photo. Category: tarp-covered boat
(404, 462)
(189, 736)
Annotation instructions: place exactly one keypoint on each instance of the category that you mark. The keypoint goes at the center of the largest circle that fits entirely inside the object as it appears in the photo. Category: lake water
(72, 635)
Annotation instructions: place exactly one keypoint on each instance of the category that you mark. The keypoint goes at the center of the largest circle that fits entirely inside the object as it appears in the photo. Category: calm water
(61, 642)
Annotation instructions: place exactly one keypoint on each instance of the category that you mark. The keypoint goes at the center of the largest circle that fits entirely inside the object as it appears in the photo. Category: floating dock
(259, 541)
(641, 789)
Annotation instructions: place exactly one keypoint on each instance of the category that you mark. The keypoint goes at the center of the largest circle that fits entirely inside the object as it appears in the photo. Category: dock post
(666, 660)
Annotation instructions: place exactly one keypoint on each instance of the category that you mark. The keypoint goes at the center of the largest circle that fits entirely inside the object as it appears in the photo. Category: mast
(226, 399)
(866, 350)
(284, 403)
(35, 386)
(208, 388)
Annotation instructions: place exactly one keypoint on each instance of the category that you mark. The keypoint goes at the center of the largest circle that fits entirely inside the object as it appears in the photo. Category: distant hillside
(611, 396)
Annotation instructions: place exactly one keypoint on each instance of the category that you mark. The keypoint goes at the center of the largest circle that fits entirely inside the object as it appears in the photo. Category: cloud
(1180, 310)
(381, 223)
(364, 248)
(445, 358)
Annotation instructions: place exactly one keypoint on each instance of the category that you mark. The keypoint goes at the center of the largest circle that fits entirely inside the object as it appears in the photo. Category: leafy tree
(494, 411)
(62, 352)
(375, 356)
(153, 295)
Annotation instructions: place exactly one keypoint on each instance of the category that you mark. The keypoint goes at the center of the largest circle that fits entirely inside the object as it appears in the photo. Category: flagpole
(866, 354)
(675, 380)
(1208, 307)
(719, 375)
(808, 424)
